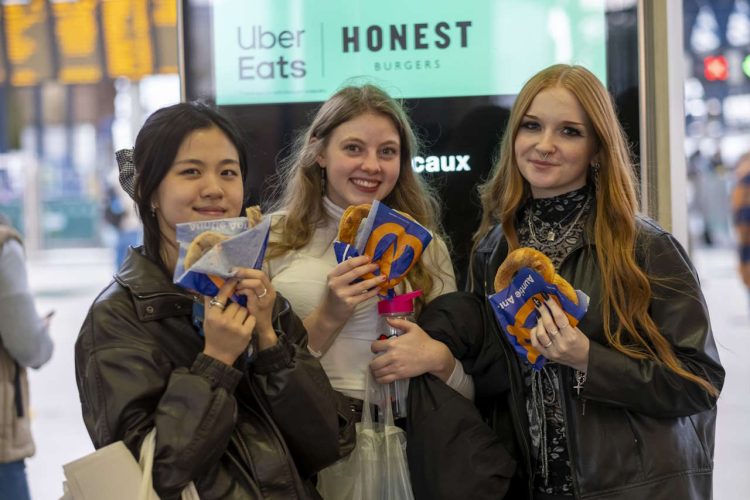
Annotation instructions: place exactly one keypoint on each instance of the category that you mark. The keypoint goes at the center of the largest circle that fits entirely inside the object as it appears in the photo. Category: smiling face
(555, 143)
(203, 183)
(362, 160)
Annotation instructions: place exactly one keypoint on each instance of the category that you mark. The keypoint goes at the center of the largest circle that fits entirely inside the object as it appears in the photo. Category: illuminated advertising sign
(77, 37)
(164, 16)
(282, 51)
(28, 42)
(127, 38)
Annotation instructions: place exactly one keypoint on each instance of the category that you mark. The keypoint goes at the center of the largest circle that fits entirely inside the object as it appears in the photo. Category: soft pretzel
(254, 215)
(201, 244)
(350, 221)
(536, 260)
(565, 288)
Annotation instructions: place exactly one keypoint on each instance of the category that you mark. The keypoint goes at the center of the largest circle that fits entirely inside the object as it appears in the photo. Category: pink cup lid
(403, 304)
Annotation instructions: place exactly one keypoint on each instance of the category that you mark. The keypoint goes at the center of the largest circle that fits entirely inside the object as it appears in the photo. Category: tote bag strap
(146, 462)
(147, 465)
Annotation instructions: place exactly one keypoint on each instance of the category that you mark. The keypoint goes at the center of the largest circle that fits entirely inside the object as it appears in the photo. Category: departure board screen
(127, 38)
(77, 38)
(28, 41)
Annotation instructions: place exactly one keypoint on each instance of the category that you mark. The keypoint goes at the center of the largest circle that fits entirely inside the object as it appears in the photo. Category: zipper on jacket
(277, 434)
(517, 406)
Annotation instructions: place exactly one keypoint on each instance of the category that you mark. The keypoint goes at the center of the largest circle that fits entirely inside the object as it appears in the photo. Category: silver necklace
(551, 238)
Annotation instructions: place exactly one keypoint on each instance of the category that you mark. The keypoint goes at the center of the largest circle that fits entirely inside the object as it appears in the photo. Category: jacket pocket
(673, 445)
(606, 435)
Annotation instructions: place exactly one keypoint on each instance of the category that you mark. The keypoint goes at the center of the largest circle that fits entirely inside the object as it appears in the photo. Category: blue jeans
(13, 481)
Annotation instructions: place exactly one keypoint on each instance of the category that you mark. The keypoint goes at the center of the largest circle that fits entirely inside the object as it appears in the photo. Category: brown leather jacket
(645, 432)
(260, 429)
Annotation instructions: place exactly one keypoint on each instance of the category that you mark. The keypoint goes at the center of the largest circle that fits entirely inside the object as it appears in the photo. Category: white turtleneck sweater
(301, 277)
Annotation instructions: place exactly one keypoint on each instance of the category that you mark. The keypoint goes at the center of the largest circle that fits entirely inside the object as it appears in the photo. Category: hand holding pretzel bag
(210, 250)
(393, 240)
(524, 276)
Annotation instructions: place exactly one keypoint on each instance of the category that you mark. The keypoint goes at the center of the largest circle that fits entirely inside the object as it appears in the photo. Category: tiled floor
(68, 281)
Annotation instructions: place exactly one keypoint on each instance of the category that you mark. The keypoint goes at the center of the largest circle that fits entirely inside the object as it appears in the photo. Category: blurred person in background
(712, 191)
(24, 342)
(741, 215)
(120, 214)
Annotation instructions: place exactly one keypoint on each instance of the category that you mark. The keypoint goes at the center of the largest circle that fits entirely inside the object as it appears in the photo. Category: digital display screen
(282, 52)
(77, 39)
(28, 42)
(128, 44)
(457, 65)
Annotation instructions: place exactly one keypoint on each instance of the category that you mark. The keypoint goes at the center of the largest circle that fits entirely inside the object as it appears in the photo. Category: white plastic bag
(376, 469)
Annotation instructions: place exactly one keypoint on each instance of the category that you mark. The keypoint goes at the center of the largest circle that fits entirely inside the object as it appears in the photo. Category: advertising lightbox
(291, 51)
(457, 65)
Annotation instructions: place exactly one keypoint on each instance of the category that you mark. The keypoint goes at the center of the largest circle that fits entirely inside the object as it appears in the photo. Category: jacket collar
(154, 294)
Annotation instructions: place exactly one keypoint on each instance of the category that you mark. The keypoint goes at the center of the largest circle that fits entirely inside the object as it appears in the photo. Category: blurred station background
(79, 77)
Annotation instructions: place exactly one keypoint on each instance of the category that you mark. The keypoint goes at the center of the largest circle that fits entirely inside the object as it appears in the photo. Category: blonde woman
(357, 149)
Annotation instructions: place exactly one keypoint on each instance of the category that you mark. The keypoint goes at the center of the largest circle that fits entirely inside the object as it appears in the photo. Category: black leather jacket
(645, 432)
(260, 431)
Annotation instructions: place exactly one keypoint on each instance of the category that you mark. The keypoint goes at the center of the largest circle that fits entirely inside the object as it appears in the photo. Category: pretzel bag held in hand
(392, 239)
(516, 313)
(231, 244)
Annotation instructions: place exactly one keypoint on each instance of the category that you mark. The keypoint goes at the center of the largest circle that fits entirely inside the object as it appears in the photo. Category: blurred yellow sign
(28, 42)
(77, 37)
(127, 38)
(164, 15)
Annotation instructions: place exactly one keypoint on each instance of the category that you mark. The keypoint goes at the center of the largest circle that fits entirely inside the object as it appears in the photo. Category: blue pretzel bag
(245, 248)
(394, 241)
(516, 313)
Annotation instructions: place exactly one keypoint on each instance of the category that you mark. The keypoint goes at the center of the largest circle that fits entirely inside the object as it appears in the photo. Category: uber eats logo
(445, 163)
(400, 44)
(260, 42)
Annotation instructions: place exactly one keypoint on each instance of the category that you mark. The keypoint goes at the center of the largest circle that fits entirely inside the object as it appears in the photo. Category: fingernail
(536, 302)
(545, 295)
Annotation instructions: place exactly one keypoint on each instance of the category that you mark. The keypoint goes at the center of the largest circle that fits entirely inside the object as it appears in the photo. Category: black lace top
(554, 226)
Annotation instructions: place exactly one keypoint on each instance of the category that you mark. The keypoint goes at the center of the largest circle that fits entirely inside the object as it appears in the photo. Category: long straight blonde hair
(627, 289)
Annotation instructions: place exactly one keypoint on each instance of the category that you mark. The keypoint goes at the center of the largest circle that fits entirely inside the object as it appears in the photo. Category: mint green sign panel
(282, 51)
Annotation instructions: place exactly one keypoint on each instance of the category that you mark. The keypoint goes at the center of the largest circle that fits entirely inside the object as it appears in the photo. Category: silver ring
(263, 293)
(215, 302)
(547, 345)
(554, 332)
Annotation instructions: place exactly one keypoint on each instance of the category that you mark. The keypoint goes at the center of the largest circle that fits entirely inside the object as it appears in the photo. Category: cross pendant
(579, 384)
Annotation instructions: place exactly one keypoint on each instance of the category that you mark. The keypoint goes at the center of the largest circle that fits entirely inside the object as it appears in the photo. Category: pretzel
(350, 222)
(201, 244)
(536, 260)
(254, 215)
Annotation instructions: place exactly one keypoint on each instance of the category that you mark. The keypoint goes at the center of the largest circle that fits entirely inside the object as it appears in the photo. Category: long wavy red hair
(627, 288)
